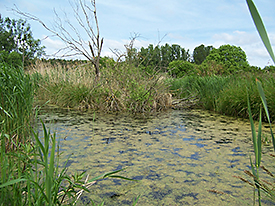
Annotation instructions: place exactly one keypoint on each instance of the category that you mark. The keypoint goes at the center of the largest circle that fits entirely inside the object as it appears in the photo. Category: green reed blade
(49, 178)
(107, 174)
(121, 177)
(41, 147)
(11, 182)
(260, 27)
(262, 95)
(254, 136)
(135, 200)
(259, 142)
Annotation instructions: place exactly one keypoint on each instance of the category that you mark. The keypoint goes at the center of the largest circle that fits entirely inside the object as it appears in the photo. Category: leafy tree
(180, 68)
(200, 53)
(161, 56)
(270, 68)
(16, 37)
(232, 57)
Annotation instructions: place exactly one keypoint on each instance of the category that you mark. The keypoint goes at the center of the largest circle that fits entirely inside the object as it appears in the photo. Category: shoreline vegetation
(223, 82)
(123, 87)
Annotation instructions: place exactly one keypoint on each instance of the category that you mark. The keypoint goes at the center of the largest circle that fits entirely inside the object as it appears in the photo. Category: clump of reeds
(226, 94)
(16, 102)
(122, 87)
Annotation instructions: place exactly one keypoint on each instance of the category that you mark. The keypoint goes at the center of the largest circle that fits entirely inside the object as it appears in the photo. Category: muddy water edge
(177, 155)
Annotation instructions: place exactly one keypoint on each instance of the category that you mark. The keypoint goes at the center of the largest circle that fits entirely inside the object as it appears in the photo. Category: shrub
(180, 68)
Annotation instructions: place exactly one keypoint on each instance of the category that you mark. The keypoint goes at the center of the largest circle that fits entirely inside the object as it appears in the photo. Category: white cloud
(237, 38)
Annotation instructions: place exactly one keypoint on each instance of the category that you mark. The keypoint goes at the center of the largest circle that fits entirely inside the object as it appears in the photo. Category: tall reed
(16, 101)
(261, 185)
(122, 87)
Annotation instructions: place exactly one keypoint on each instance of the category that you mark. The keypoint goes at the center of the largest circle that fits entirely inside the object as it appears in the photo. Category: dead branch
(68, 33)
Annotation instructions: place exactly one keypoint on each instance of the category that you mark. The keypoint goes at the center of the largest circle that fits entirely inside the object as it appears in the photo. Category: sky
(188, 23)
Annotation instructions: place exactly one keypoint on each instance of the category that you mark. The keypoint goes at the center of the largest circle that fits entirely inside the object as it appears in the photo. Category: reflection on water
(177, 156)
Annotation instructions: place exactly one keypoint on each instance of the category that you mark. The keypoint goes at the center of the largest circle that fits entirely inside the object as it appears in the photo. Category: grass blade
(259, 140)
(121, 177)
(262, 95)
(260, 27)
(253, 131)
(12, 182)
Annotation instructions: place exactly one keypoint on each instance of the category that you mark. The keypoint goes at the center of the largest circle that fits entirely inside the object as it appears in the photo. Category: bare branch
(68, 32)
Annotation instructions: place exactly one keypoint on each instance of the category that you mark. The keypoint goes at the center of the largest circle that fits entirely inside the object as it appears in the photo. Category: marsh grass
(16, 102)
(227, 94)
(122, 87)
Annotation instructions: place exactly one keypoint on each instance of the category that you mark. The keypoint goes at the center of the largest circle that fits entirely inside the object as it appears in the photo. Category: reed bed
(16, 103)
(227, 94)
(121, 87)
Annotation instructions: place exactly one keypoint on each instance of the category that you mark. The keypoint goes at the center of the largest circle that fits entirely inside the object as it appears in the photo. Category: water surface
(177, 156)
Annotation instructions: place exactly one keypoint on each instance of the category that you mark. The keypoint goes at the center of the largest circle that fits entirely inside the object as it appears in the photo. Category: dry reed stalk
(217, 192)
(244, 180)
(267, 171)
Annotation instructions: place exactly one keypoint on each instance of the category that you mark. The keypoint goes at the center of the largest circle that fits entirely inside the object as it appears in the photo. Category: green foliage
(270, 68)
(161, 56)
(16, 36)
(13, 58)
(180, 68)
(208, 89)
(261, 186)
(16, 100)
(122, 87)
(211, 67)
(200, 53)
(233, 58)
(260, 27)
(227, 94)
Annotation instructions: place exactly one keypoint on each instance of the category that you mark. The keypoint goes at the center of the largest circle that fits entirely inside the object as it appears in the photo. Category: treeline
(205, 60)
(18, 46)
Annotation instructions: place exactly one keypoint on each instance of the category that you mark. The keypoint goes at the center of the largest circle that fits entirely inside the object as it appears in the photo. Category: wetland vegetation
(150, 82)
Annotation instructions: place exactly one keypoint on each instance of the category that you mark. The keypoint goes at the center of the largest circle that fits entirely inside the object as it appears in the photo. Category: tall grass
(227, 94)
(16, 102)
(122, 87)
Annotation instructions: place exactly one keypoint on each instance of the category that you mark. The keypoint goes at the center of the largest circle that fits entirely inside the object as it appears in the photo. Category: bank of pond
(155, 126)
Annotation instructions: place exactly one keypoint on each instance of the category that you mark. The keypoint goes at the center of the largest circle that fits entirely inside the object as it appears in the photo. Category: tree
(161, 56)
(200, 53)
(73, 35)
(232, 57)
(180, 68)
(16, 37)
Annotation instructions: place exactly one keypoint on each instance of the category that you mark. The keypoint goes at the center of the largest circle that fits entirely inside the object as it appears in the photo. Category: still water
(177, 156)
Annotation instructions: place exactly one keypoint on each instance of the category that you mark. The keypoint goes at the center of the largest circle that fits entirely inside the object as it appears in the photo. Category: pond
(177, 156)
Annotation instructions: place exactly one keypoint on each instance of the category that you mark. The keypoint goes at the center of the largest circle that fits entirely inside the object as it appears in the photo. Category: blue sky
(188, 23)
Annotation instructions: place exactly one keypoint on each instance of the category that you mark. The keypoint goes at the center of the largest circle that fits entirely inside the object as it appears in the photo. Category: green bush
(180, 68)
(13, 59)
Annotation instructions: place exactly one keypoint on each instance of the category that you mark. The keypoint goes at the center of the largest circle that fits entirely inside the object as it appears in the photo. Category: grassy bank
(227, 94)
(121, 87)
